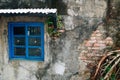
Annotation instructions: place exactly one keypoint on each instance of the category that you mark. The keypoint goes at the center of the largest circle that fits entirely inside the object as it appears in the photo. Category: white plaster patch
(23, 74)
(59, 68)
(68, 23)
(71, 12)
(8, 73)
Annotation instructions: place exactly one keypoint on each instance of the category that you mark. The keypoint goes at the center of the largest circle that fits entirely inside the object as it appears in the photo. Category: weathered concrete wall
(23, 4)
(86, 17)
(15, 69)
(62, 56)
(13, 4)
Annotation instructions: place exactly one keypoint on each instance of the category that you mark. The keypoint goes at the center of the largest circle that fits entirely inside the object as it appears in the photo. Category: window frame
(11, 41)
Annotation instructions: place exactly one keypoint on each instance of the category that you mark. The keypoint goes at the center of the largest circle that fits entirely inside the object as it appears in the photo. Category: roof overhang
(20, 11)
(30, 12)
(46, 11)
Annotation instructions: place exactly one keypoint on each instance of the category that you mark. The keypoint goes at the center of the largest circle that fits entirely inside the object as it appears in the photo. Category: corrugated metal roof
(20, 11)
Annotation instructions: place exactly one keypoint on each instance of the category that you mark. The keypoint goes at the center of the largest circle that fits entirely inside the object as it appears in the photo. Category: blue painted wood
(26, 33)
(20, 46)
(11, 36)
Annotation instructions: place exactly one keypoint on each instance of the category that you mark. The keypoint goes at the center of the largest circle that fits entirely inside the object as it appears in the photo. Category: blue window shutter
(22, 51)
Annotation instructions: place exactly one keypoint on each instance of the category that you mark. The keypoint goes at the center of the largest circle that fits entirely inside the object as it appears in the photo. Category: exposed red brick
(101, 42)
(90, 54)
(83, 52)
(96, 48)
(102, 45)
(94, 51)
(97, 31)
(83, 58)
(96, 45)
(98, 35)
(93, 35)
(88, 44)
(109, 43)
(89, 48)
(108, 39)
(93, 38)
(98, 38)
(92, 41)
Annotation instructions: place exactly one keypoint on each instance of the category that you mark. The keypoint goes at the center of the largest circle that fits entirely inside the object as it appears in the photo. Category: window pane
(19, 30)
(33, 30)
(19, 41)
(34, 52)
(34, 42)
(19, 51)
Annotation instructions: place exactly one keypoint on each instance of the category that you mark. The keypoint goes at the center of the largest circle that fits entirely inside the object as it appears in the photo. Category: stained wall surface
(83, 21)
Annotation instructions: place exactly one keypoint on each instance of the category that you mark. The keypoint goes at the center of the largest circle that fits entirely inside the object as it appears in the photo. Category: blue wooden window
(26, 40)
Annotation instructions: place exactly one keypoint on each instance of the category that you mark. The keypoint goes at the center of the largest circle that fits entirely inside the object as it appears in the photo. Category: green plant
(101, 78)
(52, 31)
(111, 70)
(107, 69)
(59, 22)
(112, 77)
(56, 34)
(49, 22)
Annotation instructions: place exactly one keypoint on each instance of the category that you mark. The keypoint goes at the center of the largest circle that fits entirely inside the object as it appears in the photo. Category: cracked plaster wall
(61, 55)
